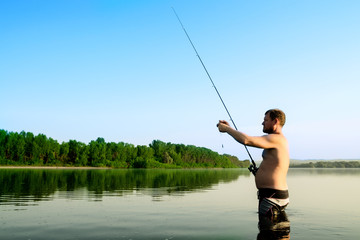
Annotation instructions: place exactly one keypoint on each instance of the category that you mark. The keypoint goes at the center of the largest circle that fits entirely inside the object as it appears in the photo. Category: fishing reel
(253, 169)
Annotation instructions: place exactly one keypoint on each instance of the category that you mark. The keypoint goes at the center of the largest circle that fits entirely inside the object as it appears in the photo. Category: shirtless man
(270, 178)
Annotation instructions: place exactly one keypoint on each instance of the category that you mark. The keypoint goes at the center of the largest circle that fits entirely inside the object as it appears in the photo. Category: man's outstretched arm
(264, 142)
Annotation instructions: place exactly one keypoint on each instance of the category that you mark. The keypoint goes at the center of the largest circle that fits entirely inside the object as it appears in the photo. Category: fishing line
(252, 167)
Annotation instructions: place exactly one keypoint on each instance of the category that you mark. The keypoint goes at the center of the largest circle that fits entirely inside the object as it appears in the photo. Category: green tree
(40, 150)
(64, 151)
(3, 137)
(97, 153)
(73, 152)
(54, 152)
(29, 147)
(82, 158)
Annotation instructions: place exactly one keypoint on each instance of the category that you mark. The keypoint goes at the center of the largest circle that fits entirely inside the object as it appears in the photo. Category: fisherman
(270, 178)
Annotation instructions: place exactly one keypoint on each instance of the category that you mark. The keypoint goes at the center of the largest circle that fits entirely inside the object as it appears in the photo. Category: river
(173, 204)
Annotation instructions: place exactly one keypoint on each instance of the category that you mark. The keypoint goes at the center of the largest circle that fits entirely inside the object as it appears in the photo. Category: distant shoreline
(324, 160)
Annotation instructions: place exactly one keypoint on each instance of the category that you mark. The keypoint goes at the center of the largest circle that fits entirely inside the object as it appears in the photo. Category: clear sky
(125, 71)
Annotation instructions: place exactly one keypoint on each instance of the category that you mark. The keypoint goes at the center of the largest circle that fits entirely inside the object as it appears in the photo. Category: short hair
(277, 113)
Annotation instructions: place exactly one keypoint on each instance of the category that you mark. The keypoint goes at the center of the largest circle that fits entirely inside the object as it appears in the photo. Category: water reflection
(26, 186)
(276, 227)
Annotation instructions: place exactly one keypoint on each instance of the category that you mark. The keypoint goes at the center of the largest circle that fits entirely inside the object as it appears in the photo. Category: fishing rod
(252, 167)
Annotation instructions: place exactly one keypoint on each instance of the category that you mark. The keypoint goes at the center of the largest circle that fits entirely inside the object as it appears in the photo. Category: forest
(26, 149)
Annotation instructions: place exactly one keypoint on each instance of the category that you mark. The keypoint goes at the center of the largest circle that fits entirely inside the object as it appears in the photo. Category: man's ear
(276, 120)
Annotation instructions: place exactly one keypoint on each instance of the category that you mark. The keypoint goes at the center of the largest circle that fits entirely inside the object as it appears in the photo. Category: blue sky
(125, 71)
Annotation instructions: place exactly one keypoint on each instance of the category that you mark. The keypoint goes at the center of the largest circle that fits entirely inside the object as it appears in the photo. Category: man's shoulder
(275, 136)
(277, 139)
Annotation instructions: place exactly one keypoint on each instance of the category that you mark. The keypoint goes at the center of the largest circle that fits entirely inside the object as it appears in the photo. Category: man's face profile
(268, 124)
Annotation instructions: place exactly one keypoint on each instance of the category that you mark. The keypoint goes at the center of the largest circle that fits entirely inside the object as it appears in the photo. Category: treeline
(328, 164)
(25, 148)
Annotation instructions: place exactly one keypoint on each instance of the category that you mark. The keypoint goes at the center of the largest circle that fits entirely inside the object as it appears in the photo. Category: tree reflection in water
(31, 185)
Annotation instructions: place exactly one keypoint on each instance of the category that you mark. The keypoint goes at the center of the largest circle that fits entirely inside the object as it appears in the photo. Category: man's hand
(223, 126)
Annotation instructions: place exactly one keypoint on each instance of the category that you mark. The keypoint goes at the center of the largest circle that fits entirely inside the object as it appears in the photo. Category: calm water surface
(172, 204)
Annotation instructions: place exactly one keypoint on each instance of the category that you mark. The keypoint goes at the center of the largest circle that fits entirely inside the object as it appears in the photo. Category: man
(270, 178)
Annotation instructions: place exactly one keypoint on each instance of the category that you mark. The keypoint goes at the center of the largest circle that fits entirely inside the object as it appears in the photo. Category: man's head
(274, 118)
